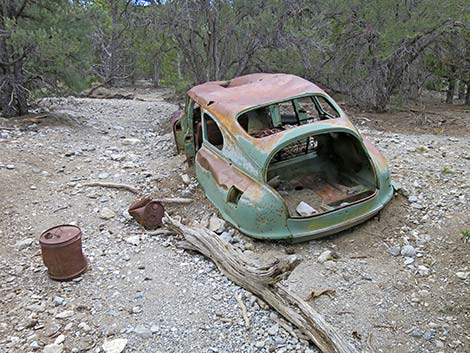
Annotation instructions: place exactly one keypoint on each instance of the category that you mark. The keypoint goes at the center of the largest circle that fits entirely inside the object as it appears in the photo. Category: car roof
(226, 99)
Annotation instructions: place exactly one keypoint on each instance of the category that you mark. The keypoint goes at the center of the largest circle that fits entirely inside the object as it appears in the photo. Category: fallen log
(176, 200)
(114, 186)
(263, 280)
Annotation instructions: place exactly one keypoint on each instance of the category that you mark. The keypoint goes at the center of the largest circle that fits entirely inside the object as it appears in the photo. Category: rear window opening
(268, 120)
(321, 173)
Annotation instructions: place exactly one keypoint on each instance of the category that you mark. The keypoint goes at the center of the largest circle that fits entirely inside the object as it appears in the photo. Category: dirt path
(142, 288)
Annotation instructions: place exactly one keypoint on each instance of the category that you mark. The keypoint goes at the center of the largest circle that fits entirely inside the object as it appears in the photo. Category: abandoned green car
(279, 158)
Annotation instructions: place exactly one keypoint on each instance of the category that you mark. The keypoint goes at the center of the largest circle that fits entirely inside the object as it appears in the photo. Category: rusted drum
(147, 212)
(61, 249)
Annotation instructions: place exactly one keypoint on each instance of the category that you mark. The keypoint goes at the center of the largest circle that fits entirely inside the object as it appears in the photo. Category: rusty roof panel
(228, 98)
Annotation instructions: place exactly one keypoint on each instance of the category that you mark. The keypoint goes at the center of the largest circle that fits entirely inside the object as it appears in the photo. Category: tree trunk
(112, 66)
(178, 63)
(156, 73)
(467, 95)
(461, 90)
(451, 88)
(21, 93)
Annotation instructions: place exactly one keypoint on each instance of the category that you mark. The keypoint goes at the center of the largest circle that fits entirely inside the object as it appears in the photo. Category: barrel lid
(59, 234)
(153, 214)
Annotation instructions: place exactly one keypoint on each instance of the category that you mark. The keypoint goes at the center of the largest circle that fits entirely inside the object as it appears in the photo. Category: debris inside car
(279, 158)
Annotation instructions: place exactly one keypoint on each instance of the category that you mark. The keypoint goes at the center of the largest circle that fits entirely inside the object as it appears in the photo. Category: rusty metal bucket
(147, 212)
(61, 249)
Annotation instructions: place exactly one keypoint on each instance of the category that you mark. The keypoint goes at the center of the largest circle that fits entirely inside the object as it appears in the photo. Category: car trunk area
(321, 173)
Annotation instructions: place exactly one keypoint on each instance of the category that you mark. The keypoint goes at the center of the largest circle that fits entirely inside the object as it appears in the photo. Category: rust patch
(223, 173)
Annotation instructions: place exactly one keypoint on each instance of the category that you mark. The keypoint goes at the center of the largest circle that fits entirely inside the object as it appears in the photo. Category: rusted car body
(279, 158)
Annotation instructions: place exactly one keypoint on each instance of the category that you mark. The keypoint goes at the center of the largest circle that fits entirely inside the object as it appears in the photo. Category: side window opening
(256, 120)
(268, 120)
(307, 110)
(288, 114)
(326, 109)
(212, 133)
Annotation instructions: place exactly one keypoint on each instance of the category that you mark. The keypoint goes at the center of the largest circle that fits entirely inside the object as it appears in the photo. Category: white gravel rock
(324, 256)
(305, 210)
(408, 251)
(25, 243)
(462, 275)
(216, 224)
(84, 326)
(53, 348)
(59, 340)
(114, 346)
(65, 314)
(107, 213)
(134, 240)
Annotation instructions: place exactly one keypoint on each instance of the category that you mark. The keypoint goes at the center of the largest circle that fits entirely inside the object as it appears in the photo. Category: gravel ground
(399, 283)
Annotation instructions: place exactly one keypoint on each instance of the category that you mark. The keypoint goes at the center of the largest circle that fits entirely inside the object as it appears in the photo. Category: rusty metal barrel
(147, 212)
(61, 249)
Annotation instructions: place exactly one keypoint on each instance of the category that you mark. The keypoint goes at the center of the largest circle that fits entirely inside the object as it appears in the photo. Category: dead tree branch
(263, 280)
(114, 186)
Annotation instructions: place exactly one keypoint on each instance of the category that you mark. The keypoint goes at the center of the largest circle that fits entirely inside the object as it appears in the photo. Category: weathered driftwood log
(114, 186)
(262, 279)
(175, 200)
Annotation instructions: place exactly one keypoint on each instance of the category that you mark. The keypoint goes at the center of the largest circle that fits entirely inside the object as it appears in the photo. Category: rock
(65, 314)
(273, 330)
(186, 179)
(53, 348)
(118, 157)
(58, 301)
(154, 328)
(143, 331)
(428, 335)
(324, 256)
(423, 270)
(394, 250)
(134, 240)
(130, 141)
(228, 235)
(136, 309)
(106, 213)
(59, 340)
(38, 308)
(416, 333)
(260, 343)
(330, 265)
(114, 346)
(34, 345)
(25, 243)
(249, 246)
(462, 275)
(305, 210)
(408, 251)
(216, 224)
(103, 175)
(408, 261)
(84, 326)
(129, 165)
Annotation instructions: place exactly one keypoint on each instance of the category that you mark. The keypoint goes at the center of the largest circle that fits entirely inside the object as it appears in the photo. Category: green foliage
(373, 51)
(447, 170)
(55, 34)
